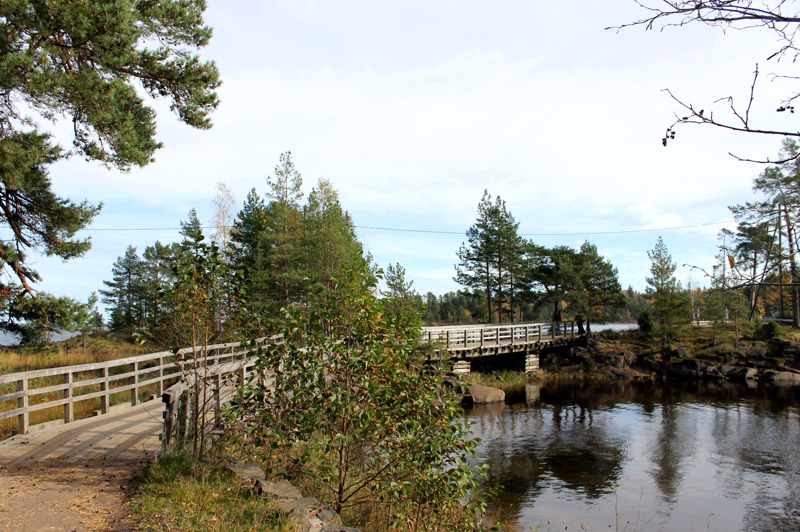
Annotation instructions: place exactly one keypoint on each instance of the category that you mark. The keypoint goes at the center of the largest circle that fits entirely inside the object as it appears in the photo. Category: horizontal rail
(114, 376)
(504, 334)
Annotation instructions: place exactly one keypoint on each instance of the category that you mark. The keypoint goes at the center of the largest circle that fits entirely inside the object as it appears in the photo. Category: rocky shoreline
(774, 362)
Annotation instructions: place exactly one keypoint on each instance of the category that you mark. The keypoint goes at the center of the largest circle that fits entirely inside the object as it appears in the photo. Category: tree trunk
(792, 268)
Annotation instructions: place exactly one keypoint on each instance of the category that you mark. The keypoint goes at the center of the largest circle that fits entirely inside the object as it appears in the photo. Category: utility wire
(397, 229)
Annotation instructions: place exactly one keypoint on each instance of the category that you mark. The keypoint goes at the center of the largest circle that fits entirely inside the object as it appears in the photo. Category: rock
(616, 361)
(339, 528)
(744, 374)
(245, 471)
(629, 357)
(310, 514)
(278, 490)
(679, 353)
(482, 395)
(780, 377)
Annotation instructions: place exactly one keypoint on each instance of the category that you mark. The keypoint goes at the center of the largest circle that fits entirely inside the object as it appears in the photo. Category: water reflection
(673, 456)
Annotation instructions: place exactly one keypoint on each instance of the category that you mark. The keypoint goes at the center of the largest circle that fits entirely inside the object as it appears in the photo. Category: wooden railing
(35, 389)
(80, 383)
(201, 394)
(469, 337)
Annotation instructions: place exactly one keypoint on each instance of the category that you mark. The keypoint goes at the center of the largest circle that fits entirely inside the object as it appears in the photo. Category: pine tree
(124, 296)
(329, 240)
(248, 252)
(595, 284)
(669, 300)
(284, 233)
(81, 60)
(477, 267)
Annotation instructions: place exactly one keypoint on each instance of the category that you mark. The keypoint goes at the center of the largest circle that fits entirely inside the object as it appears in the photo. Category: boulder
(278, 490)
(245, 471)
(482, 395)
(310, 514)
(679, 353)
(629, 357)
(780, 377)
(744, 374)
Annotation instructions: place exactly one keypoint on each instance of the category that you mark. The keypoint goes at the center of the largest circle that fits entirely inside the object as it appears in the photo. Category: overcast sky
(411, 109)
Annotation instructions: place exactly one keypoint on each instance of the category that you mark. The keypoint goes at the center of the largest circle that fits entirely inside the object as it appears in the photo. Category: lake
(688, 456)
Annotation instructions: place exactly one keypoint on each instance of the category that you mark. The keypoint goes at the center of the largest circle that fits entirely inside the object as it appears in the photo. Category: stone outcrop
(482, 395)
(776, 362)
(309, 513)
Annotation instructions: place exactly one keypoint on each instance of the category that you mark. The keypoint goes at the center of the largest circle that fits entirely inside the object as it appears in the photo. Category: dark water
(670, 457)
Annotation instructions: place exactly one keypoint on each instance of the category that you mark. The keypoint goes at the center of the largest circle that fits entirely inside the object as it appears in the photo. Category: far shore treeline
(279, 250)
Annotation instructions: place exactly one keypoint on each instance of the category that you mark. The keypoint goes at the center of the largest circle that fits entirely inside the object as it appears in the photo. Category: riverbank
(730, 352)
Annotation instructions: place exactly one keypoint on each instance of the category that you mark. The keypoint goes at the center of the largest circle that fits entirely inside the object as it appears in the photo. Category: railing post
(135, 390)
(482, 331)
(447, 335)
(217, 400)
(160, 376)
(497, 335)
(22, 419)
(466, 335)
(540, 333)
(512, 335)
(553, 330)
(572, 329)
(105, 399)
(69, 413)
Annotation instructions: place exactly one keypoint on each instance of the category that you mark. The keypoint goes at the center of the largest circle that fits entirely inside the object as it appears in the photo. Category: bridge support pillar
(531, 362)
(461, 367)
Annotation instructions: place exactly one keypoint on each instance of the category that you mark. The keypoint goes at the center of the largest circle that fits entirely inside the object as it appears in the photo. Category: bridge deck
(123, 436)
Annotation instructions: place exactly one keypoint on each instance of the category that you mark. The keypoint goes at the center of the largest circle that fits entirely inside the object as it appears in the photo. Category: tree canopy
(82, 62)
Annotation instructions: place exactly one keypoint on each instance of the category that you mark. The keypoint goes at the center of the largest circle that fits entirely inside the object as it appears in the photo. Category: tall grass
(180, 494)
(100, 347)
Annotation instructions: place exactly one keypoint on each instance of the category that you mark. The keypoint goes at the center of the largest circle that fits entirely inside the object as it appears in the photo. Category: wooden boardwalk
(131, 434)
(121, 437)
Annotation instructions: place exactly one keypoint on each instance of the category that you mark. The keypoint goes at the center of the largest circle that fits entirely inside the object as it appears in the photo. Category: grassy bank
(179, 494)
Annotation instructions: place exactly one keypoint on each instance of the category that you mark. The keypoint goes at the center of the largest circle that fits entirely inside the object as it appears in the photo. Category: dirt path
(77, 477)
(51, 495)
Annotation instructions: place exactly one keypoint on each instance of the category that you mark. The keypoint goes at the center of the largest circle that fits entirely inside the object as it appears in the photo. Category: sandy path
(80, 476)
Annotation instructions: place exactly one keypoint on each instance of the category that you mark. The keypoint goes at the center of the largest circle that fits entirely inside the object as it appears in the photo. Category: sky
(412, 109)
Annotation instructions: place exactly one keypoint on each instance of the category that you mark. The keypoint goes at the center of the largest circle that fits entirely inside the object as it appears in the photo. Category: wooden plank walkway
(121, 437)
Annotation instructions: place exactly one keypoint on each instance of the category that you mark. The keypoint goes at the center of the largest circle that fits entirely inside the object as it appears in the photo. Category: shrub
(351, 406)
(768, 330)
(646, 322)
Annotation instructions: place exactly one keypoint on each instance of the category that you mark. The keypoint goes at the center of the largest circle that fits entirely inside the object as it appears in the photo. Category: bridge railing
(40, 389)
(454, 337)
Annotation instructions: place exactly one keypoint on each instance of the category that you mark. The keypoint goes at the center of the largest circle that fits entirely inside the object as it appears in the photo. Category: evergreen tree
(36, 319)
(81, 60)
(670, 302)
(157, 260)
(248, 251)
(125, 291)
(402, 301)
(490, 262)
(284, 234)
(329, 240)
(594, 284)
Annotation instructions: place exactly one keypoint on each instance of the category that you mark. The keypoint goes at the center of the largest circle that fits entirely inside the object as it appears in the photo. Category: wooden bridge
(147, 376)
(123, 424)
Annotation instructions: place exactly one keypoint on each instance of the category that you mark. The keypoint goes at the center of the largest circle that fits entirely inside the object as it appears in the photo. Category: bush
(351, 406)
(768, 330)
(646, 322)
